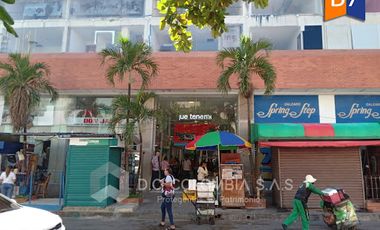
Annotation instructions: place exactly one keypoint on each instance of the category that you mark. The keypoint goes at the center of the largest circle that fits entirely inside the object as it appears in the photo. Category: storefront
(190, 116)
(320, 135)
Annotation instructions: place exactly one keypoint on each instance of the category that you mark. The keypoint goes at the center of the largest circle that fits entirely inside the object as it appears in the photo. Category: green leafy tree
(138, 113)
(129, 59)
(180, 14)
(246, 61)
(6, 18)
(23, 83)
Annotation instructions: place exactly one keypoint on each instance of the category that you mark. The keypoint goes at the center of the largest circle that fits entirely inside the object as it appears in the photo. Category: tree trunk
(24, 147)
(251, 155)
(140, 160)
(126, 147)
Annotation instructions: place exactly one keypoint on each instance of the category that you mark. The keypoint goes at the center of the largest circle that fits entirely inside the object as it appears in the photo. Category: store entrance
(371, 171)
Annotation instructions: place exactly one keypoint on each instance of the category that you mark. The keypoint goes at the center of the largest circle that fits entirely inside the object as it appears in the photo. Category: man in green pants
(300, 203)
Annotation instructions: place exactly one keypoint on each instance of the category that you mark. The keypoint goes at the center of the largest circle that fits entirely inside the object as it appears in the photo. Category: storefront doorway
(371, 172)
(187, 117)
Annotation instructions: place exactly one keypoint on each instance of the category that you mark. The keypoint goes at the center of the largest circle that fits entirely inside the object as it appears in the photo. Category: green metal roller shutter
(86, 174)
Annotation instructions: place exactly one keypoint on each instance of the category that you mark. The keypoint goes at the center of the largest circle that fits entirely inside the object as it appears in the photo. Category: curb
(242, 215)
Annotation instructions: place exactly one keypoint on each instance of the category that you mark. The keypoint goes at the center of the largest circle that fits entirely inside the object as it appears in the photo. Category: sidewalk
(150, 209)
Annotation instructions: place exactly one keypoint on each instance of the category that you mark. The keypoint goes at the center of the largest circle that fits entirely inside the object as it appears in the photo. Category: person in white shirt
(202, 171)
(186, 167)
(168, 194)
(8, 179)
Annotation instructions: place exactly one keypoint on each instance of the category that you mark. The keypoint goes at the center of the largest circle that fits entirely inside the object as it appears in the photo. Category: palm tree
(137, 112)
(131, 59)
(248, 60)
(23, 84)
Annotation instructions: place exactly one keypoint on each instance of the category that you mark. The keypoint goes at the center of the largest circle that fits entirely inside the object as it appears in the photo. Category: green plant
(248, 60)
(6, 18)
(180, 14)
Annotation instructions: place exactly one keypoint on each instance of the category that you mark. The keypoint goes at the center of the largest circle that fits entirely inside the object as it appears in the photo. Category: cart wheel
(198, 219)
(212, 220)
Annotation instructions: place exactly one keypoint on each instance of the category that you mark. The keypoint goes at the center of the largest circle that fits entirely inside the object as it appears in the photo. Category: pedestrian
(155, 171)
(8, 179)
(202, 171)
(300, 203)
(167, 185)
(174, 165)
(186, 167)
(164, 165)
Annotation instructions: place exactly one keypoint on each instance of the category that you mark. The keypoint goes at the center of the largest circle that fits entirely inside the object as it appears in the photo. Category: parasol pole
(220, 170)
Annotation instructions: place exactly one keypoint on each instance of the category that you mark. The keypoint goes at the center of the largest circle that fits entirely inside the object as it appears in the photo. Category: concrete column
(149, 134)
(57, 161)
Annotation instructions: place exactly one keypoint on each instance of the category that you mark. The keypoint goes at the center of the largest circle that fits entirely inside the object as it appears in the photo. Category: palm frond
(23, 83)
(266, 71)
(229, 54)
(245, 61)
(224, 79)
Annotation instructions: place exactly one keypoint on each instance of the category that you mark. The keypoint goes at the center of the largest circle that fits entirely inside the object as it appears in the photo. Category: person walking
(155, 171)
(167, 185)
(164, 165)
(300, 203)
(8, 179)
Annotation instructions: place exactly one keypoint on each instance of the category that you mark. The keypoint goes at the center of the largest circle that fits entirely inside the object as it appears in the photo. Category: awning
(342, 131)
(319, 144)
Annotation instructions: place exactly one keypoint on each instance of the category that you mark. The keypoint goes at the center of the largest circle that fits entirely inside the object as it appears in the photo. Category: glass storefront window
(36, 9)
(107, 8)
(186, 117)
(89, 111)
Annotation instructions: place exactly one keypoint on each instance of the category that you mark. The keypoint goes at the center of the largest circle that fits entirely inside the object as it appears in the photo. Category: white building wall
(341, 33)
(327, 108)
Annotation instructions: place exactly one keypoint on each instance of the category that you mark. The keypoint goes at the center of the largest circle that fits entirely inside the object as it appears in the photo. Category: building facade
(312, 58)
(83, 26)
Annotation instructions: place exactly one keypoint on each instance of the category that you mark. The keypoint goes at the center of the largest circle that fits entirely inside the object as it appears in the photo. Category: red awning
(318, 143)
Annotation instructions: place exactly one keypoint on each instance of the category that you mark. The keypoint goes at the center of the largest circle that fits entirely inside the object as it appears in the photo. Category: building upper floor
(83, 26)
(75, 9)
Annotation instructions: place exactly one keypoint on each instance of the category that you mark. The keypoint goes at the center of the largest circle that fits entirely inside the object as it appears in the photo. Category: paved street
(104, 223)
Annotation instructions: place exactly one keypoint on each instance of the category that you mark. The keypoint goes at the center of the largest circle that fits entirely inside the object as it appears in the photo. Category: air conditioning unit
(91, 48)
(167, 47)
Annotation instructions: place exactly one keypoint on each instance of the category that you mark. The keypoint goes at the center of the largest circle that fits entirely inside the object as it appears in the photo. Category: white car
(17, 217)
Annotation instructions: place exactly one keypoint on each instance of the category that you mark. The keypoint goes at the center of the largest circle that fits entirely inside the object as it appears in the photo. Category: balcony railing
(36, 9)
(372, 187)
(107, 8)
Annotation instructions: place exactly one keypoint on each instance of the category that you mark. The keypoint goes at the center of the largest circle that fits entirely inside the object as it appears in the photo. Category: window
(366, 36)
(107, 8)
(288, 7)
(312, 38)
(36, 9)
(90, 111)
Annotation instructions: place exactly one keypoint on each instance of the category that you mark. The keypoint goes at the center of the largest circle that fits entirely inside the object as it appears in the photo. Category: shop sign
(286, 109)
(195, 117)
(356, 109)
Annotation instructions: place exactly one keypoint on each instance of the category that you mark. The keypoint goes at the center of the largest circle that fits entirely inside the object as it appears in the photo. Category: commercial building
(328, 63)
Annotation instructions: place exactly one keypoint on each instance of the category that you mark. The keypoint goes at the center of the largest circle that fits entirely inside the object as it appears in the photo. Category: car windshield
(7, 205)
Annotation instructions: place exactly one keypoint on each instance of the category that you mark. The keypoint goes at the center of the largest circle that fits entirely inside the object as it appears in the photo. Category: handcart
(205, 201)
(339, 212)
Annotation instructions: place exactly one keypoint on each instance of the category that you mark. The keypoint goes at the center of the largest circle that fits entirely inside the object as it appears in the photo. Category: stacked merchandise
(339, 210)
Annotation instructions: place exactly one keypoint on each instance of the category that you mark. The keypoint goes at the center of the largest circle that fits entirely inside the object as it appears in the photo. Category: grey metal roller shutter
(333, 167)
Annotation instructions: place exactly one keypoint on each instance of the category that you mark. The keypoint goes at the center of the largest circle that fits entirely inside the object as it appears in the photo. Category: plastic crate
(189, 195)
